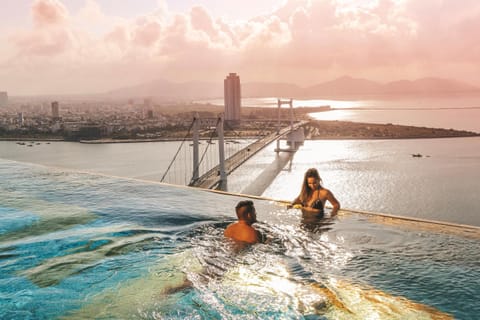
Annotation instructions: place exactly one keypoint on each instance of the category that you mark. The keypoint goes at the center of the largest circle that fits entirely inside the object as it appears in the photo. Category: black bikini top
(318, 204)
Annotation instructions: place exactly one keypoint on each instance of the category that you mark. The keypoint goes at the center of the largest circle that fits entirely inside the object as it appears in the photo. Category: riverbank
(342, 130)
(322, 129)
(315, 130)
(35, 139)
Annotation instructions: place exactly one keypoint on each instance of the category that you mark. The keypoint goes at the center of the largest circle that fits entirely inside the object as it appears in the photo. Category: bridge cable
(239, 146)
(185, 157)
(203, 155)
(178, 150)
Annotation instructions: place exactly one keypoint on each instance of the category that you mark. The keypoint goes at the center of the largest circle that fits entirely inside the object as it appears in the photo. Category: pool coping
(384, 218)
(418, 223)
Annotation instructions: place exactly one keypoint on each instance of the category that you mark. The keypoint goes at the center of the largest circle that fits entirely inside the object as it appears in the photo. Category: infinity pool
(75, 245)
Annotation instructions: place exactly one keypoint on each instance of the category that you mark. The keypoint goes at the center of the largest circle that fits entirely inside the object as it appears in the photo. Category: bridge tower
(218, 124)
(295, 138)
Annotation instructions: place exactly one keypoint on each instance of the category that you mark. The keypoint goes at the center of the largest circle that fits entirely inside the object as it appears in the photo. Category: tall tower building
(232, 96)
(3, 99)
(55, 110)
(20, 119)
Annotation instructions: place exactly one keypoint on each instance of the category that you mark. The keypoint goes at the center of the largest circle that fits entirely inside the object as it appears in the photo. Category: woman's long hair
(306, 190)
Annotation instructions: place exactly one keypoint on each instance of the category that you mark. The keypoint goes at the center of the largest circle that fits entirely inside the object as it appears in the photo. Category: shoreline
(112, 141)
(393, 138)
(36, 139)
(314, 130)
(349, 130)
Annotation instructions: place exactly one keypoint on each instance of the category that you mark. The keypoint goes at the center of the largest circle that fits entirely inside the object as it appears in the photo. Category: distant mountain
(355, 86)
(344, 86)
(166, 90)
(268, 89)
(428, 85)
(196, 90)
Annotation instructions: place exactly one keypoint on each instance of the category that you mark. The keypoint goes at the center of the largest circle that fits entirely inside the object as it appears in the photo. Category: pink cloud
(447, 30)
(308, 40)
(147, 32)
(201, 20)
(119, 36)
(44, 43)
(189, 33)
(48, 13)
(50, 36)
(174, 41)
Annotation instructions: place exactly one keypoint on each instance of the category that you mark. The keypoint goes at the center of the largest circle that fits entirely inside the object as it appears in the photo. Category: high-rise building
(3, 99)
(232, 96)
(20, 119)
(55, 110)
(147, 102)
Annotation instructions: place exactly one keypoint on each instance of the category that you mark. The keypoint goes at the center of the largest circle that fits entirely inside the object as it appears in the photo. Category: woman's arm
(295, 202)
(335, 204)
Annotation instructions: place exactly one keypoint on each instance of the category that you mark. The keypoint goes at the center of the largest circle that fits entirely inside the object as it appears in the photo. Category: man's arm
(261, 237)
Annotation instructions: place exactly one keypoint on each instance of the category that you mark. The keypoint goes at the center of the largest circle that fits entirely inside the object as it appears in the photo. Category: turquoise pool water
(76, 245)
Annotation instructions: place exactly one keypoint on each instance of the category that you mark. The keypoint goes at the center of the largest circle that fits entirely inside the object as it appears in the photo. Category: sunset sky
(86, 46)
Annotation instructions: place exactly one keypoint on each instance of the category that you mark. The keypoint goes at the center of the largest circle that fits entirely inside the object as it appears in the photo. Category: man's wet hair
(245, 203)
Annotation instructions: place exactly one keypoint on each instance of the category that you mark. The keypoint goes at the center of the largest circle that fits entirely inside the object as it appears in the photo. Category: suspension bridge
(206, 163)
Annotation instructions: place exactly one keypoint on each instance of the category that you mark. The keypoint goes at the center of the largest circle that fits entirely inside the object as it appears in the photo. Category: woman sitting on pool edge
(313, 196)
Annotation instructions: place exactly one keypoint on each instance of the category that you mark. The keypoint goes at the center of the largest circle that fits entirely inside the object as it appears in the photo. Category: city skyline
(89, 46)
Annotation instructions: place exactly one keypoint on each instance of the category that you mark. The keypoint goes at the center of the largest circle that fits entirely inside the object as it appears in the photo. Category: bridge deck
(212, 177)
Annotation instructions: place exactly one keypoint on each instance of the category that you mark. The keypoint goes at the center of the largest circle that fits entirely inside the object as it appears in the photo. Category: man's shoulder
(242, 233)
(230, 228)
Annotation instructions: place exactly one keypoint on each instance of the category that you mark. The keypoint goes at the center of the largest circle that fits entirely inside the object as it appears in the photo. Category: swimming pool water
(76, 245)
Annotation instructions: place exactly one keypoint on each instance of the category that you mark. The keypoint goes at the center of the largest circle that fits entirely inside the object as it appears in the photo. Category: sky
(90, 46)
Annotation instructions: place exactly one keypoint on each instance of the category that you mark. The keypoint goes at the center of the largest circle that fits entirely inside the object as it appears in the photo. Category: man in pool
(242, 230)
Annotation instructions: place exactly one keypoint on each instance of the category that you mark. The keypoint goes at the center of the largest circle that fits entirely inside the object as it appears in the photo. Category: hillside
(344, 86)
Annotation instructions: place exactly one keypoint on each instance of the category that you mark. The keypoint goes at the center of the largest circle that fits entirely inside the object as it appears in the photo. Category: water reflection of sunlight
(332, 103)
(339, 256)
(324, 151)
(342, 115)
(272, 102)
(276, 280)
(328, 156)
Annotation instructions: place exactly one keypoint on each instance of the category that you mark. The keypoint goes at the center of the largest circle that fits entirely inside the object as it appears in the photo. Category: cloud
(48, 13)
(50, 35)
(202, 21)
(147, 32)
(301, 40)
(119, 36)
(447, 30)
(43, 43)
